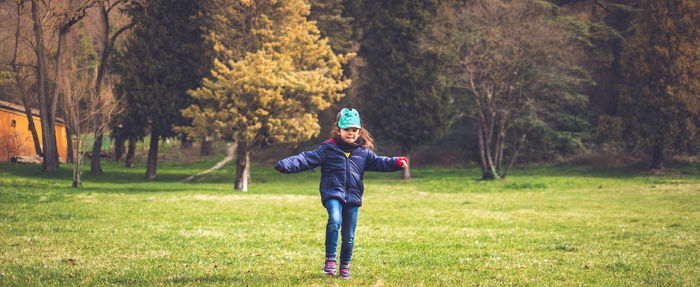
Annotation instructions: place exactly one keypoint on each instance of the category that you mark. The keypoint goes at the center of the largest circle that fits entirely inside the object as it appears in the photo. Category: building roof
(20, 108)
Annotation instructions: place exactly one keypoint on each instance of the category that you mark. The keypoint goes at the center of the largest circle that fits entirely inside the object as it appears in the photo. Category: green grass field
(546, 226)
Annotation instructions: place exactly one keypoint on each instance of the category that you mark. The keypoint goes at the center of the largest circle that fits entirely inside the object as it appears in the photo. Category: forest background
(448, 83)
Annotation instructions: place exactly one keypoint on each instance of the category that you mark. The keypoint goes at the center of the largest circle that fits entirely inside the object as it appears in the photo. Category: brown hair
(364, 134)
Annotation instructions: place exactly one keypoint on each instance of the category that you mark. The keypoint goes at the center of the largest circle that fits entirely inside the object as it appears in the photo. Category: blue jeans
(345, 217)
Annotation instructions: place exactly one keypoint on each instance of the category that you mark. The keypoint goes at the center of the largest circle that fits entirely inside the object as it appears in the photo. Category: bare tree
(34, 75)
(51, 18)
(86, 110)
(48, 115)
(51, 21)
(109, 33)
(22, 69)
(510, 60)
(15, 143)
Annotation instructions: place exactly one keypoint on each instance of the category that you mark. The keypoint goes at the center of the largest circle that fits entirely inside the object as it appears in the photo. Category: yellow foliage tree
(273, 94)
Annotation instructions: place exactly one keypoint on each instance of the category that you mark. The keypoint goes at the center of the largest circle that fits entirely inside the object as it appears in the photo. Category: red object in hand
(402, 161)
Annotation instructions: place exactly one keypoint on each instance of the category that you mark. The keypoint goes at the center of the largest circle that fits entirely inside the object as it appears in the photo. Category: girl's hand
(402, 161)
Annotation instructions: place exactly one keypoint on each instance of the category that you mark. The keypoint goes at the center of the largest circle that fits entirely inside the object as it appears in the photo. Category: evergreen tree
(334, 19)
(164, 58)
(404, 100)
(333, 24)
(661, 97)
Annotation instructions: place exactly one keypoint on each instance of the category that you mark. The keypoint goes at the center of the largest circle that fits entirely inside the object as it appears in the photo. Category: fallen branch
(229, 156)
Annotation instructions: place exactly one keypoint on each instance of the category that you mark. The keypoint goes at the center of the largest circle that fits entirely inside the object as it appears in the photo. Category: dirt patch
(229, 156)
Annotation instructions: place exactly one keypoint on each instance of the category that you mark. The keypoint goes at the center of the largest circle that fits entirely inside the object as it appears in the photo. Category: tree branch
(114, 4)
(601, 5)
(121, 30)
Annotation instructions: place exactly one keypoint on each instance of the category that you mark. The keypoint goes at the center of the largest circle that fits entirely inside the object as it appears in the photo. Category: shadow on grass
(550, 170)
(32, 180)
(111, 173)
(117, 178)
(638, 170)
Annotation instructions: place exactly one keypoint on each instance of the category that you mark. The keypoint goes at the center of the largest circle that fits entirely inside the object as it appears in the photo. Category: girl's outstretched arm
(301, 162)
(384, 163)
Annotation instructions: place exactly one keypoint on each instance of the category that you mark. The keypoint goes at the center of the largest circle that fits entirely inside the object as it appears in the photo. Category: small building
(16, 139)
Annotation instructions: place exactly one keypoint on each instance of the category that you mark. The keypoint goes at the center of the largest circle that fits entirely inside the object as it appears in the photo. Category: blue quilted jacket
(341, 176)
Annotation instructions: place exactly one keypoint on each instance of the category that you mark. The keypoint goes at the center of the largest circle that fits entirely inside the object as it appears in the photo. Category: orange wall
(17, 140)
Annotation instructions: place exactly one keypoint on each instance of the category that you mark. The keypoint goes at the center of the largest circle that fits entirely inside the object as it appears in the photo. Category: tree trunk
(406, 172)
(482, 156)
(490, 174)
(130, 153)
(118, 148)
(205, 148)
(488, 128)
(515, 155)
(500, 142)
(488, 171)
(106, 49)
(47, 114)
(32, 128)
(95, 167)
(152, 156)
(20, 85)
(185, 142)
(77, 163)
(242, 167)
(657, 157)
(485, 134)
(70, 157)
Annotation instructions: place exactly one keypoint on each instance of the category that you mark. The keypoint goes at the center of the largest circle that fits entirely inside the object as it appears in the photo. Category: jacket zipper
(347, 169)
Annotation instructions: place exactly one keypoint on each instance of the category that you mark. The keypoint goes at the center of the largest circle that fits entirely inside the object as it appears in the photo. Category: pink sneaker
(329, 266)
(345, 270)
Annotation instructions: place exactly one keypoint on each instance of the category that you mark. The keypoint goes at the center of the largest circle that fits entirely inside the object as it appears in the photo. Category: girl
(343, 159)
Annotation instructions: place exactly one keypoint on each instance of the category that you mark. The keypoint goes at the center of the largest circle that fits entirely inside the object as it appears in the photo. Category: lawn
(543, 226)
